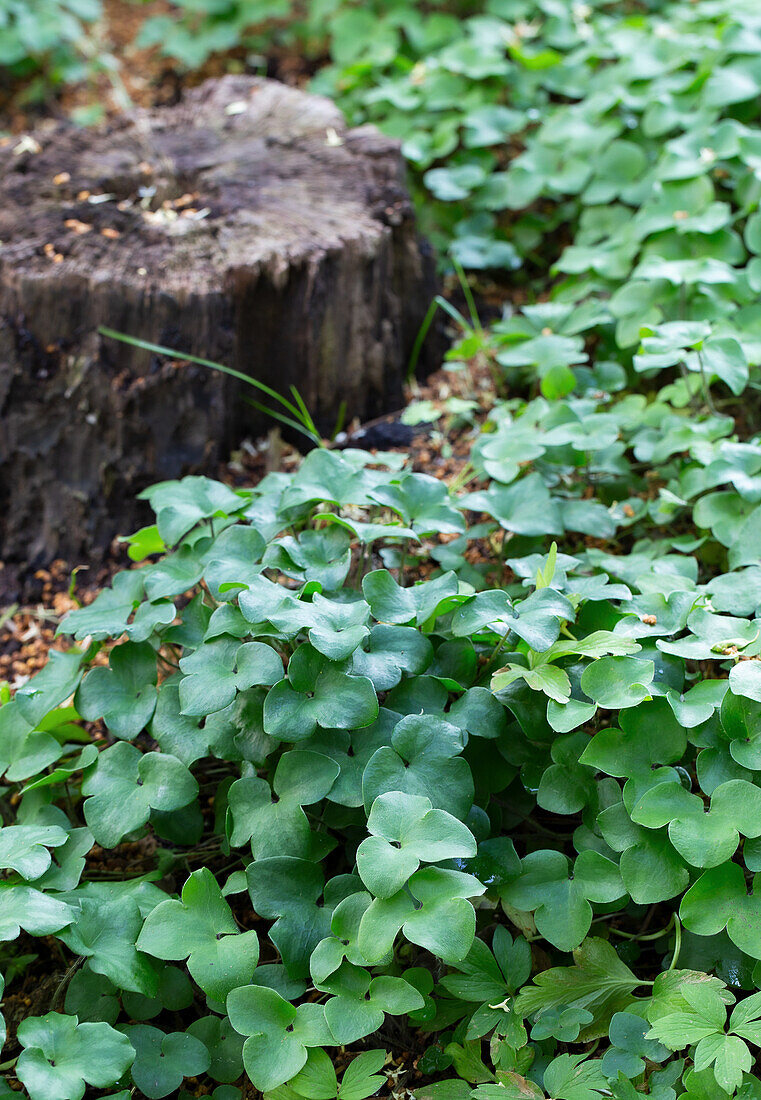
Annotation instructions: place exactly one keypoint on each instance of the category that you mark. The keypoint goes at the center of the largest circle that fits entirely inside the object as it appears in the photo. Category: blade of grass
(437, 303)
(340, 420)
(468, 293)
(301, 421)
(289, 421)
(171, 353)
(306, 416)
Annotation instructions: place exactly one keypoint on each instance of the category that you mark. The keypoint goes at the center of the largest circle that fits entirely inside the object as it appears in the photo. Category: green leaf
(317, 1080)
(162, 1061)
(566, 786)
(220, 668)
(124, 694)
(405, 832)
(126, 784)
(278, 1034)
(453, 1090)
(343, 943)
(233, 559)
(180, 505)
(422, 502)
(278, 825)
(362, 1076)
(389, 653)
(423, 760)
(24, 848)
(718, 900)
(62, 1056)
(525, 508)
(391, 603)
(287, 889)
(435, 914)
(24, 751)
(316, 692)
(110, 612)
(704, 838)
(143, 543)
(618, 682)
(651, 870)
(224, 1045)
(599, 982)
(563, 1024)
(493, 609)
(480, 978)
(563, 913)
(573, 1077)
(540, 617)
(724, 357)
(360, 1003)
(201, 928)
(51, 687)
(323, 556)
(730, 1058)
(105, 932)
(177, 734)
(549, 679)
(467, 1062)
(649, 734)
(745, 1018)
(745, 679)
(339, 628)
(174, 992)
(680, 1029)
(92, 998)
(37, 913)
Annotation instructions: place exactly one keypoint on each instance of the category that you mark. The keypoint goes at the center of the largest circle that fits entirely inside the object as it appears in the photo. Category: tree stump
(246, 225)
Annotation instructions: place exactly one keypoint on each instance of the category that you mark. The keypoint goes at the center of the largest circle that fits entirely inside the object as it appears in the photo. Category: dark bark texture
(246, 225)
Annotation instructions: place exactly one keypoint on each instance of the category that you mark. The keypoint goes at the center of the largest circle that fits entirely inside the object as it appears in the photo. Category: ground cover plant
(355, 759)
(42, 43)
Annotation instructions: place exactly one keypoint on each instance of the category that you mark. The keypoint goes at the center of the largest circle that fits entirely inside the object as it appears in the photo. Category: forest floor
(438, 444)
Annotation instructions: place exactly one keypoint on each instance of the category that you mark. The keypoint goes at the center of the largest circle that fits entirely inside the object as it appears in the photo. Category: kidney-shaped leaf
(201, 928)
(279, 1034)
(125, 785)
(61, 1056)
(405, 831)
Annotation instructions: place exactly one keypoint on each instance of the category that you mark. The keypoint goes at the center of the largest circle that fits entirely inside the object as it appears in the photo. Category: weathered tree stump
(246, 225)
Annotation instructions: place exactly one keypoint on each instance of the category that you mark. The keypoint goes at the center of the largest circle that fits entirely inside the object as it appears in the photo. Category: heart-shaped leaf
(201, 928)
(62, 1056)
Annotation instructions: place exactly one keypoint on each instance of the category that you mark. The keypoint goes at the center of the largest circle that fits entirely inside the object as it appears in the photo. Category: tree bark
(246, 225)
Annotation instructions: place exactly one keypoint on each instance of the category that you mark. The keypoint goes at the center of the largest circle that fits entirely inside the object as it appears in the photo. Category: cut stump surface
(246, 225)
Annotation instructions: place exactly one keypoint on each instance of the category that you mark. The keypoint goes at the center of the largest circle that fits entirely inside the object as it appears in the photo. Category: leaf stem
(706, 387)
(65, 981)
(677, 942)
(486, 671)
(639, 937)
